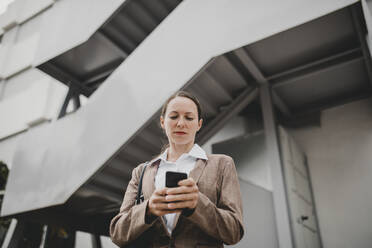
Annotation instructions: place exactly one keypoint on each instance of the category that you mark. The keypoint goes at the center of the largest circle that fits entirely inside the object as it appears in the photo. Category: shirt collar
(196, 152)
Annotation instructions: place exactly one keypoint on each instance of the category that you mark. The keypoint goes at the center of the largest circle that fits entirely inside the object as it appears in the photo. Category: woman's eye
(173, 117)
(189, 118)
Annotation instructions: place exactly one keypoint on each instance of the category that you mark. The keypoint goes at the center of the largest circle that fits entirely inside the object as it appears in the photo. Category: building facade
(285, 86)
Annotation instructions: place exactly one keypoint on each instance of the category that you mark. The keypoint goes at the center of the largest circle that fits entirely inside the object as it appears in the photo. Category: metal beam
(261, 79)
(314, 72)
(324, 61)
(281, 105)
(321, 65)
(125, 18)
(246, 97)
(63, 76)
(362, 39)
(127, 44)
(68, 97)
(283, 225)
(96, 241)
(146, 9)
(105, 194)
(17, 236)
(250, 65)
(93, 80)
(104, 37)
(76, 101)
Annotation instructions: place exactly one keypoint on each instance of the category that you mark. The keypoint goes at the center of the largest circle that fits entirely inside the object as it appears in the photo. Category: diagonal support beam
(104, 37)
(233, 109)
(313, 67)
(362, 39)
(261, 80)
(65, 77)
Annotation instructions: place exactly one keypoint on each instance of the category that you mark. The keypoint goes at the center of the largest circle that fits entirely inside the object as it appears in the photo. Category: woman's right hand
(158, 206)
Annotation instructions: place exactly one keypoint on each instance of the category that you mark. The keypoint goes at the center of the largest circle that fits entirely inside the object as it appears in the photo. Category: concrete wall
(340, 162)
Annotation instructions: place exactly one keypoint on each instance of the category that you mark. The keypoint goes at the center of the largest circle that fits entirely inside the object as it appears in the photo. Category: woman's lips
(180, 133)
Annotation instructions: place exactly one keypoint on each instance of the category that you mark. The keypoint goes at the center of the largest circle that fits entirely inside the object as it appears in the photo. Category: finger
(173, 211)
(180, 197)
(187, 182)
(161, 192)
(160, 207)
(158, 199)
(182, 190)
(181, 205)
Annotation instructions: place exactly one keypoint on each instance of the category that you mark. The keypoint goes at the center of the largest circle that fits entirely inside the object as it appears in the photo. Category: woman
(205, 210)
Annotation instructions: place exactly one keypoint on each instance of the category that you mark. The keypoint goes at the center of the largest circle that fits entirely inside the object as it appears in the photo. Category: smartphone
(172, 178)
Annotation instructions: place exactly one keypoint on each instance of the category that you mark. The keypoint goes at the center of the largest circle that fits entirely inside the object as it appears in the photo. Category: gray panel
(250, 156)
(296, 46)
(334, 82)
(258, 218)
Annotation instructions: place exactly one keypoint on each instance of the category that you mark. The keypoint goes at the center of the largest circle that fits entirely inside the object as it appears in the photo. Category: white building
(285, 87)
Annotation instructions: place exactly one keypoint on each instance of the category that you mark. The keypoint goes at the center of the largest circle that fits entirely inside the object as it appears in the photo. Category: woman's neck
(175, 151)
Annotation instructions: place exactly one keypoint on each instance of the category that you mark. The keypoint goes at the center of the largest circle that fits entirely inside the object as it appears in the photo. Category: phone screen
(172, 178)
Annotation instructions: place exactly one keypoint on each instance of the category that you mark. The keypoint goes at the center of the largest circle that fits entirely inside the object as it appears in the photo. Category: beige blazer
(217, 218)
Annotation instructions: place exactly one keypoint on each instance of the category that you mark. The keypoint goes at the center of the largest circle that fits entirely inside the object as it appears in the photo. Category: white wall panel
(107, 243)
(83, 240)
(65, 28)
(37, 103)
(8, 19)
(21, 82)
(31, 8)
(21, 53)
(6, 45)
(2, 86)
(8, 147)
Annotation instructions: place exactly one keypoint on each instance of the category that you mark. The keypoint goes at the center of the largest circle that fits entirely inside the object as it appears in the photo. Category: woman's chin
(181, 141)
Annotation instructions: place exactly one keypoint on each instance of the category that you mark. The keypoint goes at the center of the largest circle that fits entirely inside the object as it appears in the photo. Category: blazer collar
(196, 152)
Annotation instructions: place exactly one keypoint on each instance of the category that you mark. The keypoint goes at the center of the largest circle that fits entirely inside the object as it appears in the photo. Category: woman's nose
(180, 122)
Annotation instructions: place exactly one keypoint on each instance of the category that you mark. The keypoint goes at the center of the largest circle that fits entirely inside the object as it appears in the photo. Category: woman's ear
(162, 122)
(200, 124)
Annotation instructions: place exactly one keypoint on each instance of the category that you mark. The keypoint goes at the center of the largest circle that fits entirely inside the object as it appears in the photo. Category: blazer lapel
(194, 174)
(198, 170)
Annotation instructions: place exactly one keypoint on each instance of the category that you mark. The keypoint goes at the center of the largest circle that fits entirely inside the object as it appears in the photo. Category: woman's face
(180, 121)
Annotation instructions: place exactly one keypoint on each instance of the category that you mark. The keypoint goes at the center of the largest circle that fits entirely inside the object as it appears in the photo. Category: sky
(4, 4)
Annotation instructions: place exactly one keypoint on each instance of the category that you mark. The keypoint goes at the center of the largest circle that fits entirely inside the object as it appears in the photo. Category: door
(300, 198)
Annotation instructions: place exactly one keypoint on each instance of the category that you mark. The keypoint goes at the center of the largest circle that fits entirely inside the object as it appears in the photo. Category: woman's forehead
(182, 104)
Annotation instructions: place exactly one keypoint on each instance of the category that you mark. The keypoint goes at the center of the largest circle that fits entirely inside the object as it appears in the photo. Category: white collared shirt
(185, 163)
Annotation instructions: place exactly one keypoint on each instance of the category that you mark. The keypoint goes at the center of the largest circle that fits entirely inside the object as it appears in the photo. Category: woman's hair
(182, 94)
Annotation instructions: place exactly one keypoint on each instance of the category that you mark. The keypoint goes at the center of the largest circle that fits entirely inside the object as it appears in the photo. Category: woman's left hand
(184, 196)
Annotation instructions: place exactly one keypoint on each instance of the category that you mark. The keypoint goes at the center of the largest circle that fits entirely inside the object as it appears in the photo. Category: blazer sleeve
(130, 223)
(223, 221)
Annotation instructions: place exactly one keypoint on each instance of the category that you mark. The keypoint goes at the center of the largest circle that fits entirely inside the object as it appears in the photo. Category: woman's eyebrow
(177, 112)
